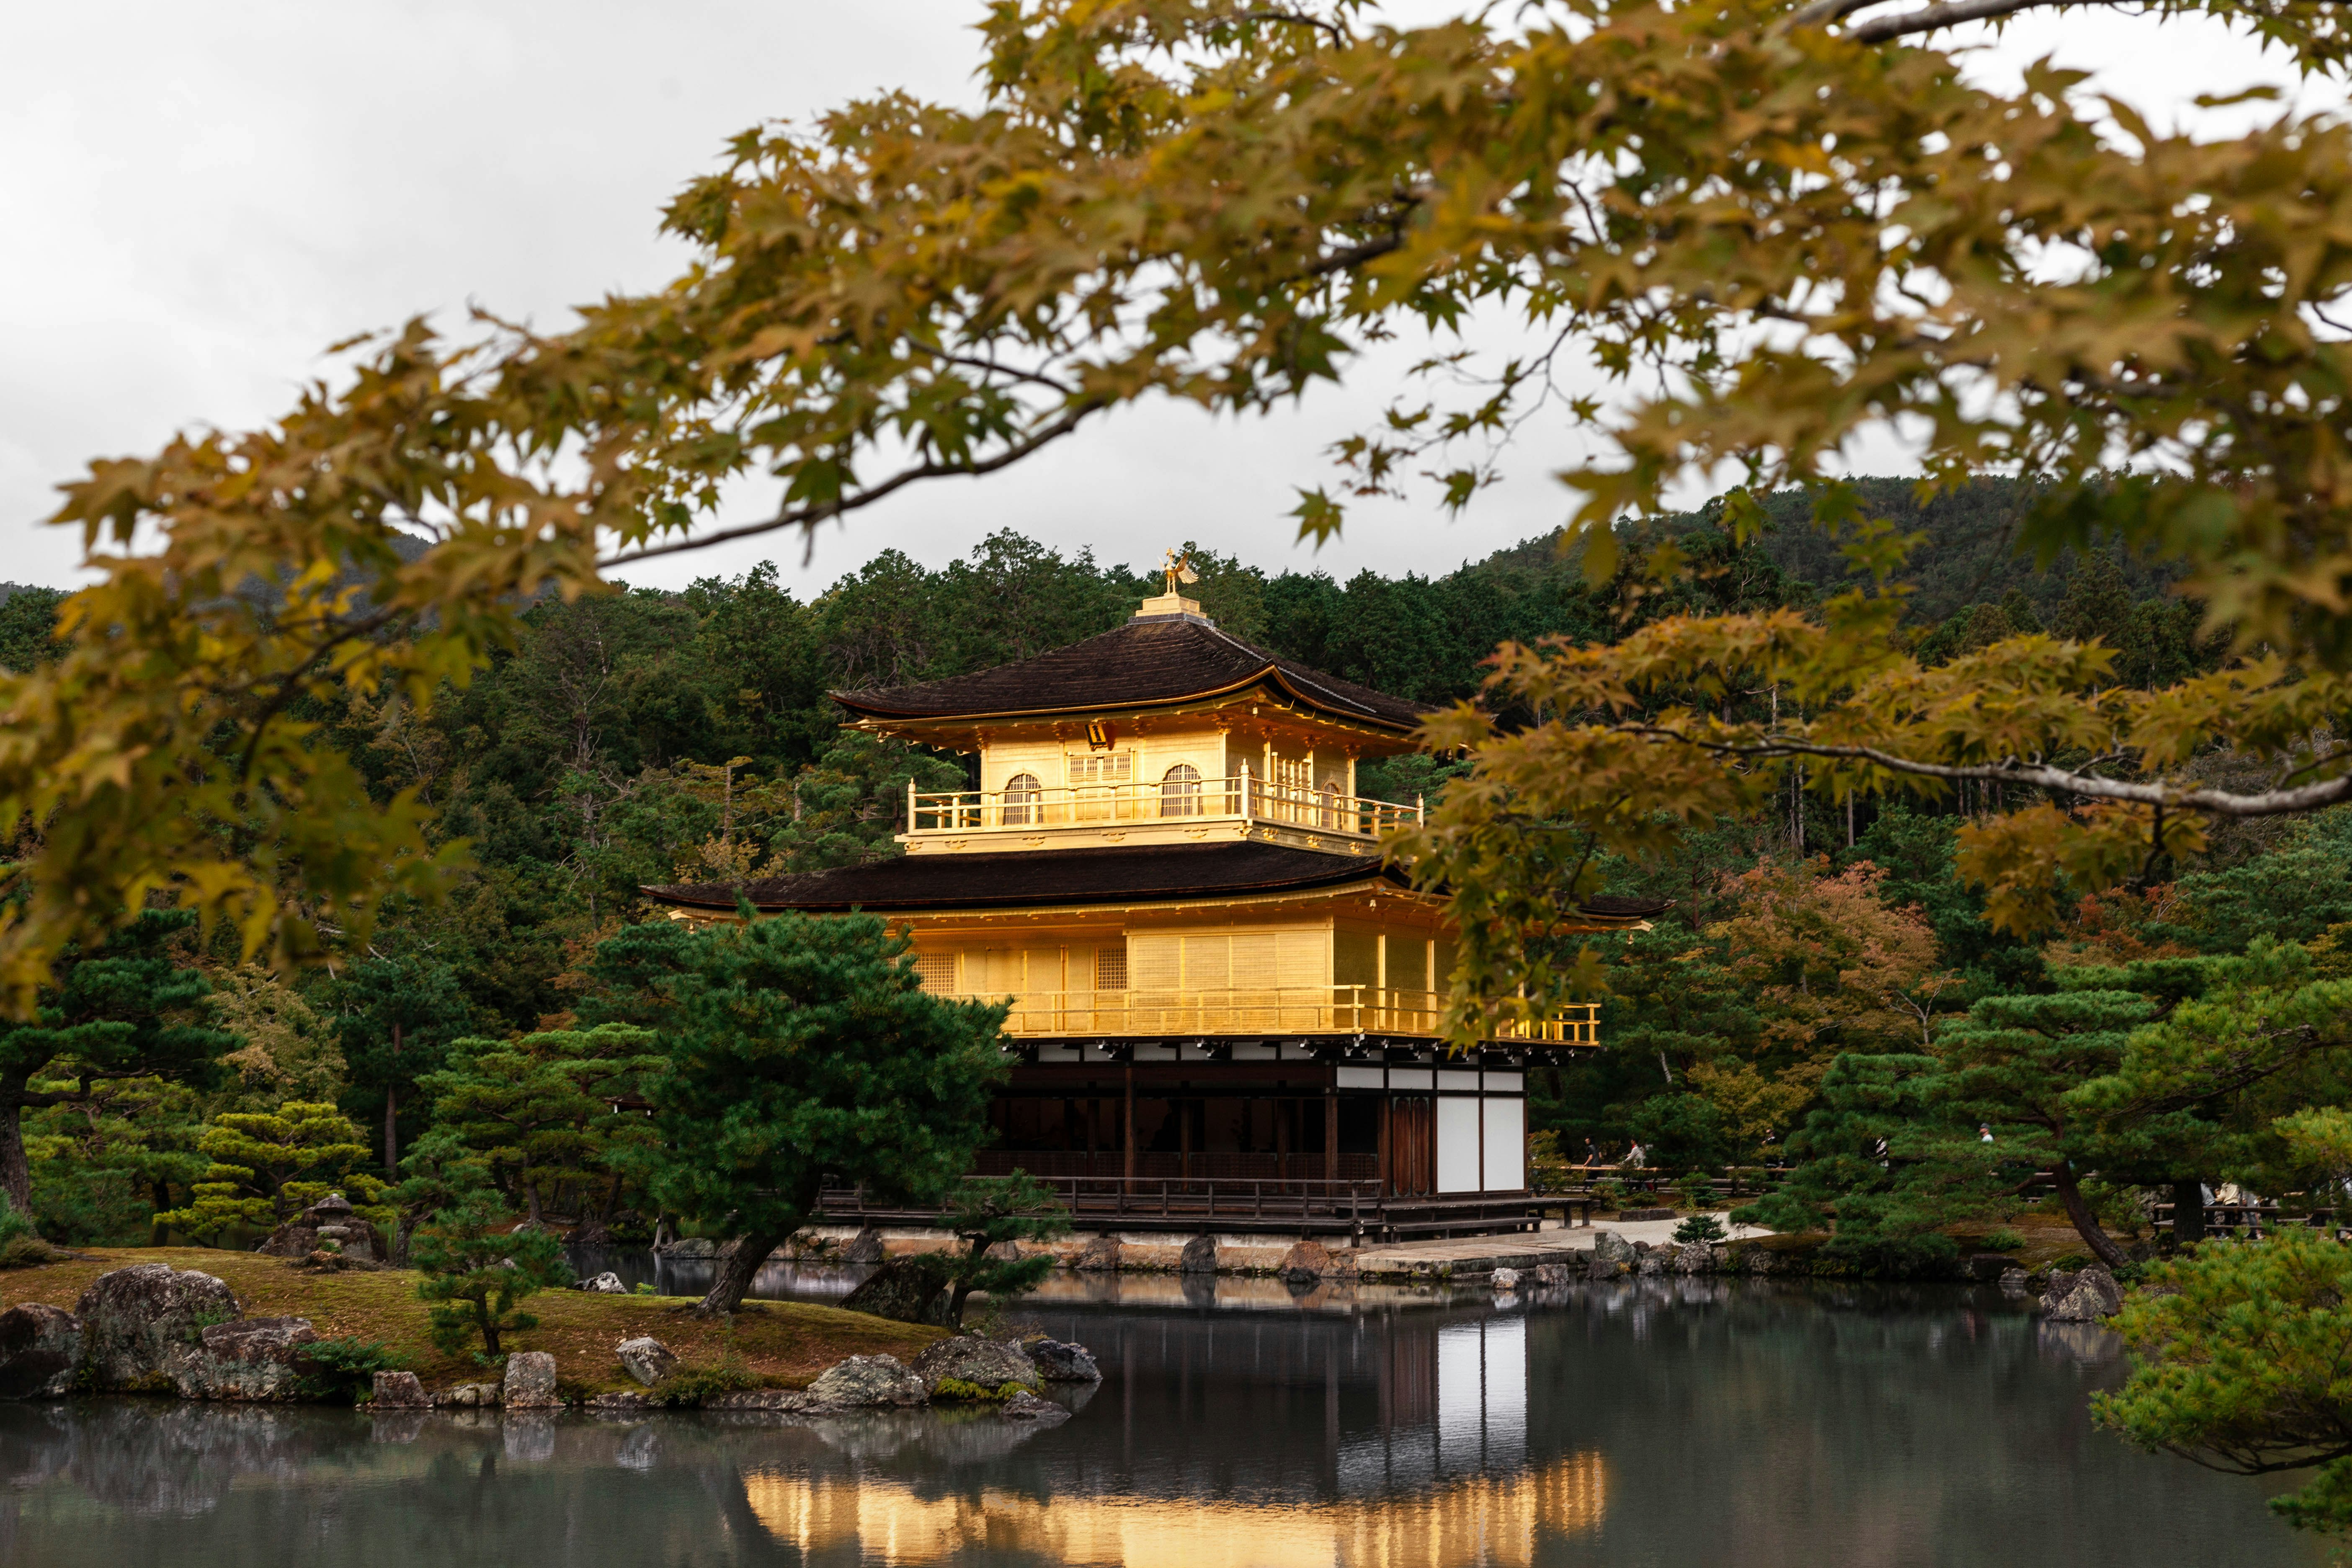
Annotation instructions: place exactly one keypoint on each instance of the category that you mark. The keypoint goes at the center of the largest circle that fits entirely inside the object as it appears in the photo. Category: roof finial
(1178, 569)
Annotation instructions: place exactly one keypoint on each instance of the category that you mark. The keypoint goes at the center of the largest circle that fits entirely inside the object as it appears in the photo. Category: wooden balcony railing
(1239, 798)
(1252, 1010)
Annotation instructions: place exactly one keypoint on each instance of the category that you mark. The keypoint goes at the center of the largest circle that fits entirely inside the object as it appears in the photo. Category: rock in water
(1505, 1280)
(1199, 1256)
(1552, 1275)
(1694, 1257)
(1058, 1361)
(2091, 1297)
(1099, 1255)
(906, 1289)
(971, 1362)
(1611, 1254)
(691, 1246)
(866, 1247)
(1758, 1259)
(1306, 1261)
(530, 1382)
(400, 1390)
(40, 1346)
(605, 1284)
(1651, 1263)
(254, 1358)
(133, 1319)
(2012, 1281)
(868, 1380)
(648, 1360)
(1029, 1407)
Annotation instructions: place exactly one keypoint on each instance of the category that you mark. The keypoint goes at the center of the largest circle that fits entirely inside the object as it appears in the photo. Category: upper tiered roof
(1154, 660)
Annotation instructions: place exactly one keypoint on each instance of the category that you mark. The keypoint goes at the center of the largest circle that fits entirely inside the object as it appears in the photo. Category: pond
(1650, 1423)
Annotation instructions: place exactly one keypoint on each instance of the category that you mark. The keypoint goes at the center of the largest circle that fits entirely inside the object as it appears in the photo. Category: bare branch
(2218, 803)
(1951, 13)
(810, 516)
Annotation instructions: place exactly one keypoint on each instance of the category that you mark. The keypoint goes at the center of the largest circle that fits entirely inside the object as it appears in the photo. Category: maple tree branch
(1340, 35)
(1950, 13)
(808, 517)
(2064, 781)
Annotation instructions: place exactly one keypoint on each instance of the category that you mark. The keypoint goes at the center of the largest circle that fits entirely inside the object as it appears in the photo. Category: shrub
(1699, 1227)
(2004, 1240)
(342, 1371)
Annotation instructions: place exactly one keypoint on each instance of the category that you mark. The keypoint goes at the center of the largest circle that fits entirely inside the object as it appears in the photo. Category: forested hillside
(649, 736)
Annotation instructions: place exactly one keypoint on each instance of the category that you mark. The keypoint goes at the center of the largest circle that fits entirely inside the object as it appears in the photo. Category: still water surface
(1640, 1423)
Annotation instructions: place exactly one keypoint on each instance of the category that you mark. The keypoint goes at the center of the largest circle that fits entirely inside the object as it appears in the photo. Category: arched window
(1180, 791)
(1022, 795)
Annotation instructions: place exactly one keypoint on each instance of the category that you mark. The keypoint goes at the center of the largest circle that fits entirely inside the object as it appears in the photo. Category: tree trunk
(2187, 1212)
(2108, 1250)
(391, 1133)
(530, 1190)
(16, 1174)
(160, 1194)
(735, 1273)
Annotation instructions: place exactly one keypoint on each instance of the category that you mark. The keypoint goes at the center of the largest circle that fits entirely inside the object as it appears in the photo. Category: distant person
(1634, 1158)
(1592, 1153)
(1984, 1131)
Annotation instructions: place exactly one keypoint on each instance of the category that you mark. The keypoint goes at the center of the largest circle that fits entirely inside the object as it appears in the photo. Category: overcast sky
(195, 200)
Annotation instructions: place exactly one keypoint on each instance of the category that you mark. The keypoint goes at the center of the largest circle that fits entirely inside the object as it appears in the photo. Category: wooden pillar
(1127, 1135)
(1183, 1137)
(1330, 1134)
(1386, 1159)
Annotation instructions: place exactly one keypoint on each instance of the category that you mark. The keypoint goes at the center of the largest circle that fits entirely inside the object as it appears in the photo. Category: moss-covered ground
(775, 1344)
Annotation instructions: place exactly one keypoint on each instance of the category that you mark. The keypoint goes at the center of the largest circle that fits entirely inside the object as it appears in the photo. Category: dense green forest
(650, 736)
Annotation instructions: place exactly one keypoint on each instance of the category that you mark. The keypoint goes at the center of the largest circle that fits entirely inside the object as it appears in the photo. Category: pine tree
(801, 1047)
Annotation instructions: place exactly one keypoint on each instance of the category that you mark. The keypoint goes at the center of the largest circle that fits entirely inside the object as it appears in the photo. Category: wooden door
(1409, 1159)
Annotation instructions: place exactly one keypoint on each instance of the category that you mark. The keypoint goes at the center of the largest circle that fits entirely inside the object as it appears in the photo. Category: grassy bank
(777, 1344)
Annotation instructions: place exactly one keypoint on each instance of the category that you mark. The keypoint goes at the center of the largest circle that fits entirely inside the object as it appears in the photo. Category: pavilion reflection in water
(1442, 1478)
(1474, 1520)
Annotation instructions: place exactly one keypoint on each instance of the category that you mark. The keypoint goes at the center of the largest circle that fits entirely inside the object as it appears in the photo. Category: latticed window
(1110, 969)
(1180, 791)
(1021, 794)
(937, 971)
(1101, 767)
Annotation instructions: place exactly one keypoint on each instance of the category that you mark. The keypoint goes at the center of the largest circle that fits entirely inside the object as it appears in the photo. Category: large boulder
(1306, 1261)
(605, 1284)
(649, 1361)
(1694, 1257)
(530, 1382)
(134, 1319)
(1552, 1275)
(1611, 1254)
(40, 1347)
(906, 1289)
(1651, 1263)
(253, 1358)
(869, 1382)
(1101, 1255)
(1504, 1279)
(970, 1367)
(1199, 1256)
(866, 1247)
(1058, 1361)
(2089, 1296)
(400, 1390)
(691, 1246)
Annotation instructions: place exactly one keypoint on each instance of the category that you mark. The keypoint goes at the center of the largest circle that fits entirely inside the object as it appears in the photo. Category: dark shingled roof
(1025, 879)
(1031, 879)
(1150, 659)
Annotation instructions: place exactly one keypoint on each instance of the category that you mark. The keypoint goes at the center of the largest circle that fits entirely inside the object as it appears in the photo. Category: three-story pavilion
(1222, 999)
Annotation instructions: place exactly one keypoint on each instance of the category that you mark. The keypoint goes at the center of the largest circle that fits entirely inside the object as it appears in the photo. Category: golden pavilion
(1224, 1005)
